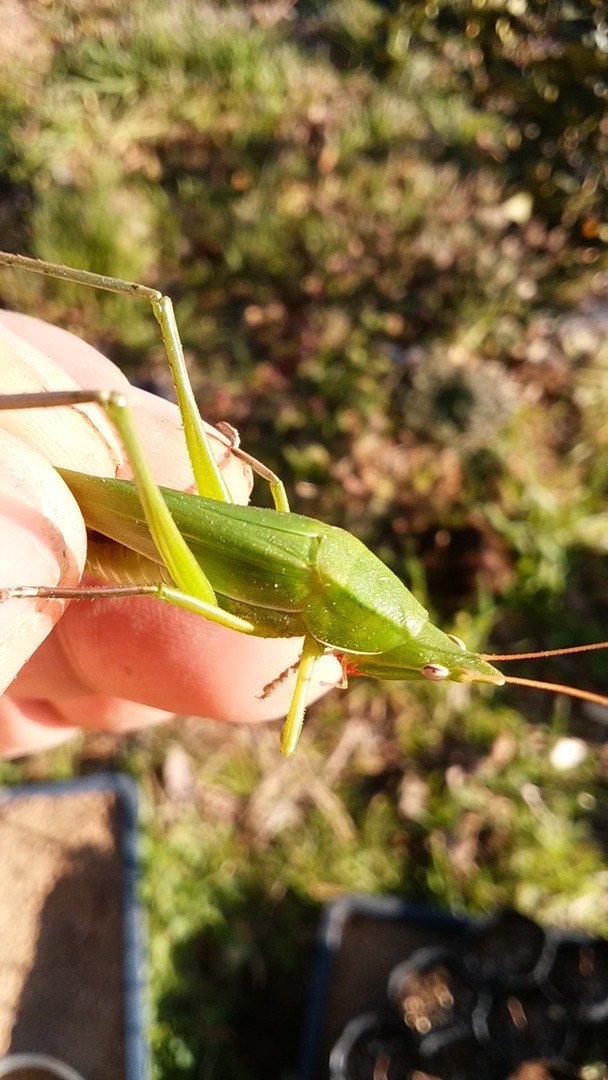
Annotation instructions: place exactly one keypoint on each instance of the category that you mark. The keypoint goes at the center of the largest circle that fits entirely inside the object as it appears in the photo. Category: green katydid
(270, 573)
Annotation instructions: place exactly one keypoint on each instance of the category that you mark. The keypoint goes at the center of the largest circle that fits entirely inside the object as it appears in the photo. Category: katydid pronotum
(269, 573)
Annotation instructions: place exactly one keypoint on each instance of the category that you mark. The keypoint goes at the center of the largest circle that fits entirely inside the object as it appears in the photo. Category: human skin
(105, 664)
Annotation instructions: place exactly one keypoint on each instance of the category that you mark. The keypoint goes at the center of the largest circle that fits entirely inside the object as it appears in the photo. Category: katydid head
(464, 666)
(365, 615)
(430, 655)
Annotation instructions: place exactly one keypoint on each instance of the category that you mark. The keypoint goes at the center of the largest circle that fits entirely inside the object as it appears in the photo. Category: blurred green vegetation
(384, 228)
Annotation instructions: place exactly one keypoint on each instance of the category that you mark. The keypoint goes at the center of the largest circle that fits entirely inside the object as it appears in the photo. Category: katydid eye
(434, 672)
(457, 641)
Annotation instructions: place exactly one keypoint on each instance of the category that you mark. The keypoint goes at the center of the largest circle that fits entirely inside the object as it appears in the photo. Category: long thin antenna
(558, 688)
(544, 652)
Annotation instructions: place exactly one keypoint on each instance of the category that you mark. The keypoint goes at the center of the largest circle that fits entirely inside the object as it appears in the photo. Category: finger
(161, 433)
(155, 654)
(78, 437)
(42, 542)
(30, 728)
(45, 357)
(71, 353)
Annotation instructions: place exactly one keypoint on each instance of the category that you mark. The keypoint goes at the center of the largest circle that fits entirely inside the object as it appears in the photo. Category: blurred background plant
(384, 228)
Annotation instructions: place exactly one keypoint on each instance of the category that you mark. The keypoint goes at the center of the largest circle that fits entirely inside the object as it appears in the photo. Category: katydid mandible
(270, 573)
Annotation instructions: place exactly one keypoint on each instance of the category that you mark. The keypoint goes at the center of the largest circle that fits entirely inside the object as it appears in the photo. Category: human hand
(112, 665)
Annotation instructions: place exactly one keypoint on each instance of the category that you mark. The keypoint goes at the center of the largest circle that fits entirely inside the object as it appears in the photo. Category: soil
(61, 956)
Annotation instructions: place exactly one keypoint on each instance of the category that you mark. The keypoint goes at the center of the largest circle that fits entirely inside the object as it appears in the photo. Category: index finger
(66, 361)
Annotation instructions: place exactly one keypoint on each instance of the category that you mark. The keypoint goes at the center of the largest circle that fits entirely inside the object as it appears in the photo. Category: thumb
(42, 542)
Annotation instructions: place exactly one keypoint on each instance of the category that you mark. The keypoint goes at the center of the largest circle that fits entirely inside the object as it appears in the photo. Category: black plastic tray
(527, 992)
(361, 940)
